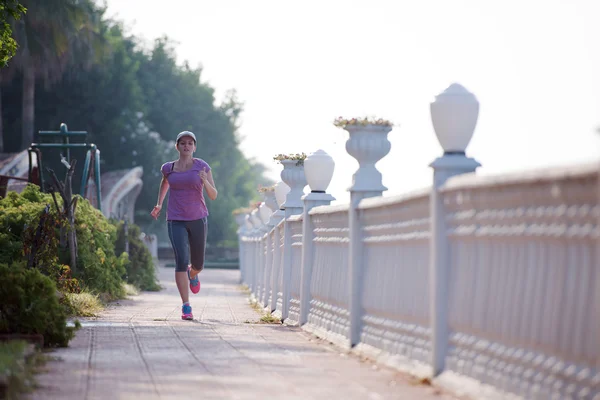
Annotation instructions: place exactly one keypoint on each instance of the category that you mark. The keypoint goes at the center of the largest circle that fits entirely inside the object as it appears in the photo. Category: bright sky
(534, 65)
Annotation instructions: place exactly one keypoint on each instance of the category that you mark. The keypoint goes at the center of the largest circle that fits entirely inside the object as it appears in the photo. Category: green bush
(97, 265)
(140, 268)
(20, 216)
(18, 365)
(30, 305)
(98, 269)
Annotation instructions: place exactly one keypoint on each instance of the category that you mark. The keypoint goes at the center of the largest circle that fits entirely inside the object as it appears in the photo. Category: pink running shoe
(194, 283)
(186, 312)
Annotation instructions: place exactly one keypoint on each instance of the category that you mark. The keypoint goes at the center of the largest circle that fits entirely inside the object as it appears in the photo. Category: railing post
(247, 250)
(271, 202)
(255, 249)
(318, 169)
(281, 191)
(240, 220)
(264, 213)
(293, 175)
(367, 144)
(454, 116)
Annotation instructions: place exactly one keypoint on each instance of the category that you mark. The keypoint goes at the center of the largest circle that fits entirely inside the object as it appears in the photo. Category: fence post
(293, 175)
(247, 234)
(271, 203)
(454, 116)
(281, 191)
(264, 213)
(255, 249)
(367, 144)
(240, 220)
(318, 169)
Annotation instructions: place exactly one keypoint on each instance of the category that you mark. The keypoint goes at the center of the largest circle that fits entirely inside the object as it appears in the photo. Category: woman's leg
(197, 231)
(178, 236)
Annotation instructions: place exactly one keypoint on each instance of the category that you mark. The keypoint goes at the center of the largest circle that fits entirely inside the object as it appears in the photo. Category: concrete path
(140, 348)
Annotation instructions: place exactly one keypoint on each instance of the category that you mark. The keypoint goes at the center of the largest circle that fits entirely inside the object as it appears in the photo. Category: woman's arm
(209, 184)
(162, 192)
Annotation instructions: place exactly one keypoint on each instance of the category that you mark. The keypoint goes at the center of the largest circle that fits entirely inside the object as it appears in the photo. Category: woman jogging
(186, 214)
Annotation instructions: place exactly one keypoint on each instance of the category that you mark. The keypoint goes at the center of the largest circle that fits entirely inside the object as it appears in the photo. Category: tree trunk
(28, 106)
(69, 206)
(1, 125)
(70, 212)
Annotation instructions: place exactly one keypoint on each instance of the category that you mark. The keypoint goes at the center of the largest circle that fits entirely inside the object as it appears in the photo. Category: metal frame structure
(92, 158)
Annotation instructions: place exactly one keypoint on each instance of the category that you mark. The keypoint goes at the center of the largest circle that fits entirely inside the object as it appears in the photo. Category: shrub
(97, 266)
(18, 364)
(97, 269)
(30, 305)
(140, 267)
(84, 304)
(18, 224)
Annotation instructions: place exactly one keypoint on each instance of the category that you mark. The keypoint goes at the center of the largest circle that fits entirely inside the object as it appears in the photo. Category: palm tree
(52, 35)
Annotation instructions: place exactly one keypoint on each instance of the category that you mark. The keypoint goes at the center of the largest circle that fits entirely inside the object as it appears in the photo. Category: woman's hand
(156, 211)
(203, 175)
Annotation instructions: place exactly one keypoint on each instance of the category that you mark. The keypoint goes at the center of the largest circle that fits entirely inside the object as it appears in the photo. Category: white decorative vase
(240, 219)
(255, 219)
(318, 169)
(264, 213)
(454, 116)
(293, 175)
(271, 200)
(281, 191)
(368, 144)
(248, 222)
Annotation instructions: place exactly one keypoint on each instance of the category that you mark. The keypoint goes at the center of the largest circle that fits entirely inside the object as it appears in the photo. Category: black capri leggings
(188, 237)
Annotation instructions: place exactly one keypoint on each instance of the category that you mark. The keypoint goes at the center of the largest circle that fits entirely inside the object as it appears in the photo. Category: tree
(132, 105)
(9, 10)
(53, 35)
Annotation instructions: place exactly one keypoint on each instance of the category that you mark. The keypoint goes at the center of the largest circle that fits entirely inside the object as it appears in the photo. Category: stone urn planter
(368, 144)
(293, 176)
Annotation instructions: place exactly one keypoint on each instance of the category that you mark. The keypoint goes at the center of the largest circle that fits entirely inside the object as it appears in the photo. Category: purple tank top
(186, 196)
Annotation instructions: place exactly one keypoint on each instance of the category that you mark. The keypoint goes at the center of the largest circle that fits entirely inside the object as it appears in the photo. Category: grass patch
(269, 318)
(19, 362)
(131, 290)
(266, 317)
(257, 307)
(85, 304)
(245, 289)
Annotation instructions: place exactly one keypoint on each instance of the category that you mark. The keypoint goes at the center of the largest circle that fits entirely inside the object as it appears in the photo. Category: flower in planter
(298, 157)
(241, 210)
(254, 204)
(342, 122)
(266, 189)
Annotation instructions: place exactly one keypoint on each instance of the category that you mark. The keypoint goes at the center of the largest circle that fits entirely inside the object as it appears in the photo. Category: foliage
(242, 210)
(84, 304)
(54, 36)
(140, 269)
(18, 225)
(97, 265)
(18, 364)
(133, 104)
(341, 122)
(298, 157)
(98, 269)
(8, 45)
(30, 305)
(266, 189)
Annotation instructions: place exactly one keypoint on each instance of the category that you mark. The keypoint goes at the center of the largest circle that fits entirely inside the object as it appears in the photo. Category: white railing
(489, 285)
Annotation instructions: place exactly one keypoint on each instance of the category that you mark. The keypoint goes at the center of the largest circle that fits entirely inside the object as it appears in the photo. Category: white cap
(186, 133)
